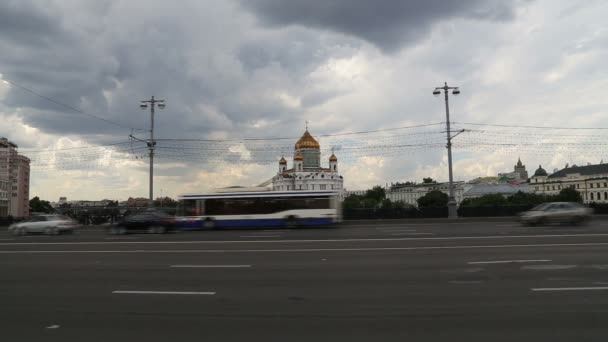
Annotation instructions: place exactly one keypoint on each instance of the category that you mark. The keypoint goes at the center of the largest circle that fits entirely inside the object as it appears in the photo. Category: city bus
(258, 209)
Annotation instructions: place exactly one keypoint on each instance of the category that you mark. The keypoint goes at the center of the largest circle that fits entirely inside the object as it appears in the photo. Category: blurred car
(150, 221)
(44, 224)
(557, 212)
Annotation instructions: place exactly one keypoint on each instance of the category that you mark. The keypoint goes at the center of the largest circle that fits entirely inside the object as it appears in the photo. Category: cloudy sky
(230, 70)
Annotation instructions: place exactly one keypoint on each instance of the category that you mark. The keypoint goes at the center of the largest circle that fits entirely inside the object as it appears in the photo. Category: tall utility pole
(452, 205)
(151, 143)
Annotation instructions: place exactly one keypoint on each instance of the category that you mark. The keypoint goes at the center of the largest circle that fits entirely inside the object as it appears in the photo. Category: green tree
(353, 202)
(377, 193)
(166, 202)
(568, 195)
(400, 205)
(40, 206)
(387, 203)
(428, 180)
(434, 198)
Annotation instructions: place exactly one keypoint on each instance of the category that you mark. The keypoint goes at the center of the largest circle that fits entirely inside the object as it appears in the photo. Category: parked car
(557, 212)
(44, 224)
(149, 221)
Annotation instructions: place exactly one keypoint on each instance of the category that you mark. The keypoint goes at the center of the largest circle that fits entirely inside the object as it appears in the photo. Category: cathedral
(306, 172)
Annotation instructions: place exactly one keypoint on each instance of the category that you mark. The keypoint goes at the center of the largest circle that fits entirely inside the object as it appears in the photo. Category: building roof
(282, 161)
(582, 170)
(298, 156)
(333, 157)
(540, 172)
(307, 141)
(503, 189)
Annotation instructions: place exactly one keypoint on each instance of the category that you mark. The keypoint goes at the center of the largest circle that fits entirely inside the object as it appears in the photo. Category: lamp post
(151, 143)
(452, 205)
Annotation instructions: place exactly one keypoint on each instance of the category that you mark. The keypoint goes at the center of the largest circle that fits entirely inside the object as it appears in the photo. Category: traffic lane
(311, 234)
(415, 270)
(307, 245)
(357, 292)
(340, 231)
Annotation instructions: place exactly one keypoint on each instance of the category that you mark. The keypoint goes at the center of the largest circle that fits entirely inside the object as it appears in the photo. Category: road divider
(210, 266)
(165, 293)
(505, 261)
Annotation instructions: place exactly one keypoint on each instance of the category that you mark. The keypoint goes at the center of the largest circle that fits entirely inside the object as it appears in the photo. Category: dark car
(150, 221)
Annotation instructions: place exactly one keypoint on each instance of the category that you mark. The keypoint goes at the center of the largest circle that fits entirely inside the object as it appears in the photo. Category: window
(591, 185)
(591, 194)
(554, 187)
(605, 185)
(598, 185)
(605, 195)
(322, 187)
(578, 186)
(535, 188)
(300, 186)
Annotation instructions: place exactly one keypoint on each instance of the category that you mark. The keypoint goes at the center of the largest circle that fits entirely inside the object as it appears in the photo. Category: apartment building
(14, 181)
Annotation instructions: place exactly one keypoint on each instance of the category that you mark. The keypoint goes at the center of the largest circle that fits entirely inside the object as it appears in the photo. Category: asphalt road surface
(482, 281)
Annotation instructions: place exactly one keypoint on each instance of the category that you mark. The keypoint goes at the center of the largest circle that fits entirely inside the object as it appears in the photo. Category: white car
(557, 212)
(44, 224)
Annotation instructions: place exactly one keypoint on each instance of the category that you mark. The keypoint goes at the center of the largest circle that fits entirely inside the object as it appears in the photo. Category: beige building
(410, 194)
(590, 181)
(14, 181)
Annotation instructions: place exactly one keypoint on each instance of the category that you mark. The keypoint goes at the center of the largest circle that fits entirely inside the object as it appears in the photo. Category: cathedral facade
(306, 172)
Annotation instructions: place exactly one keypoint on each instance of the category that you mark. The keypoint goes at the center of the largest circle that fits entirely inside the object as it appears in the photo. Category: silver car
(44, 224)
(557, 212)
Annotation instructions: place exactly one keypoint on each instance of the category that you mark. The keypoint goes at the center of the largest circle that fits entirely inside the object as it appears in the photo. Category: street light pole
(452, 205)
(151, 144)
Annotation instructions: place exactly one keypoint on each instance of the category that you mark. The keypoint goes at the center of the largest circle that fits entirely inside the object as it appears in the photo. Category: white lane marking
(259, 236)
(505, 261)
(410, 234)
(447, 238)
(119, 238)
(464, 282)
(397, 230)
(210, 266)
(308, 249)
(166, 292)
(570, 288)
(548, 267)
(54, 326)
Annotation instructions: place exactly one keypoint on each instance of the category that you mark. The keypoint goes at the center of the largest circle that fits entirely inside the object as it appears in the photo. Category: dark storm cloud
(389, 24)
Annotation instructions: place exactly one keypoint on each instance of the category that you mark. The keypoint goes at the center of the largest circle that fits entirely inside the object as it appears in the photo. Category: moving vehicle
(258, 209)
(557, 212)
(44, 224)
(150, 221)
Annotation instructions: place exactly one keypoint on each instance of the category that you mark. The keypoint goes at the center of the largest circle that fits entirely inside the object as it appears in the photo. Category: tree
(400, 205)
(167, 202)
(387, 204)
(434, 198)
(353, 202)
(568, 195)
(40, 206)
(401, 185)
(428, 180)
(377, 193)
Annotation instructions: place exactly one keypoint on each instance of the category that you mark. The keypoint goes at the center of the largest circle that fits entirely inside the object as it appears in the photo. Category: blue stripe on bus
(310, 221)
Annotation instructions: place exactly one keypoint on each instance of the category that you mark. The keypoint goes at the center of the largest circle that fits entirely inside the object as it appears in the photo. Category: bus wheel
(209, 224)
(291, 222)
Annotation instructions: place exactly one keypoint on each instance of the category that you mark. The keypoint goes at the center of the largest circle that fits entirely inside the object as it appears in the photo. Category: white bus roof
(248, 194)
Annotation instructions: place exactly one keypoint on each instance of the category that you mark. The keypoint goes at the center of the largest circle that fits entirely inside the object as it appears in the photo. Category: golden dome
(307, 141)
(298, 156)
(333, 158)
(282, 161)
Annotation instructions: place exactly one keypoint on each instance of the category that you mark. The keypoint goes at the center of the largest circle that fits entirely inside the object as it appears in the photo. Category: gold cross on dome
(307, 125)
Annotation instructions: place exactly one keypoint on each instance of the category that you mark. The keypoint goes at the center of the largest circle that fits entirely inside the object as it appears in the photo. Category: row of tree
(376, 198)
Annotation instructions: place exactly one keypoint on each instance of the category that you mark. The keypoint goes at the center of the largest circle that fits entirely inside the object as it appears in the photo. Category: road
(396, 281)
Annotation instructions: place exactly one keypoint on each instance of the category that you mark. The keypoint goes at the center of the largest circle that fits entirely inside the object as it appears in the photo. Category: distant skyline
(262, 68)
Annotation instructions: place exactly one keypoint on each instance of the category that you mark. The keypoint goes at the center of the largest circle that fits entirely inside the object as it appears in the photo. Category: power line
(527, 126)
(67, 105)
